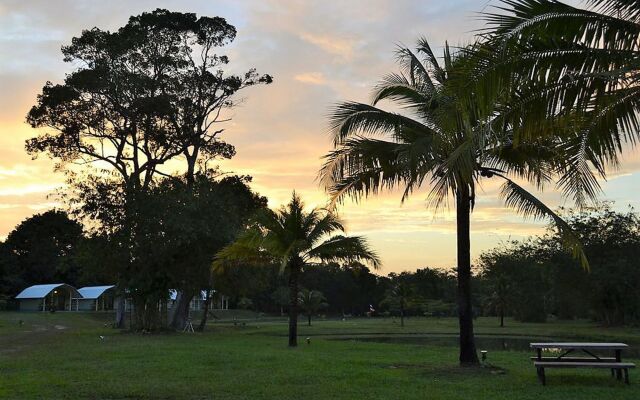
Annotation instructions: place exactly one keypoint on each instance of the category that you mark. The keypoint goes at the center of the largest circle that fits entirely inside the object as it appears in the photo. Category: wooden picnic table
(567, 358)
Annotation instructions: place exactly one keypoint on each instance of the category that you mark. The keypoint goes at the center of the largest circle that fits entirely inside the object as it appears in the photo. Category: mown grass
(62, 356)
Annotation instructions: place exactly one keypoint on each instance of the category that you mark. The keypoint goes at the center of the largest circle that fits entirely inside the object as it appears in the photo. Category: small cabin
(95, 298)
(50, 297)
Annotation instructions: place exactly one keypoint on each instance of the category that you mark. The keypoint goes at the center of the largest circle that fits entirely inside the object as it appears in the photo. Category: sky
(319, 53)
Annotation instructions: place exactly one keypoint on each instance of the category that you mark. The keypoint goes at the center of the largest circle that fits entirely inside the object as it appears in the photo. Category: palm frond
(529, 206)
(341, 248)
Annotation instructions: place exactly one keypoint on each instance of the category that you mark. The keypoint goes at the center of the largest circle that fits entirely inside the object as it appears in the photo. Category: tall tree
(153, 91)
(446, 138)
(294, 237)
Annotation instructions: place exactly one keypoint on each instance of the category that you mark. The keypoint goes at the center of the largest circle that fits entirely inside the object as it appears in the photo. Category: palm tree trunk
(309, 316)
(501, 317)
(468, 353)
(294, 271)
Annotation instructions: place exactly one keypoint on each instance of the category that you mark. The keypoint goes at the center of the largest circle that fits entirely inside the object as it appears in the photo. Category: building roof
(93, 292)
(41, 291)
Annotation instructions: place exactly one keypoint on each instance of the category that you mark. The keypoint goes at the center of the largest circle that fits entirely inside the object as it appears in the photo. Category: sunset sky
(319, 53)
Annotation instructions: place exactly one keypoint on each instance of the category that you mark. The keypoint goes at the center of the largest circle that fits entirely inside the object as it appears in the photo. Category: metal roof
(41, 291)
(93, 292)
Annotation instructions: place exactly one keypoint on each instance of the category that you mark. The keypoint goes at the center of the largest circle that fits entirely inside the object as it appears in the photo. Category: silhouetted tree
(42, 249)
(150, 92)
(449, 137)
(294, 238)
(311, 301)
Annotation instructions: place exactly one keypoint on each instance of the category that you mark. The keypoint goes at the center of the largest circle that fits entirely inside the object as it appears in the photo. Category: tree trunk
(294, 271)
(309, 316)
(205, 315)
(501, 317)
(120, 313)
(401, 315)
(181, 310)
(468, 353)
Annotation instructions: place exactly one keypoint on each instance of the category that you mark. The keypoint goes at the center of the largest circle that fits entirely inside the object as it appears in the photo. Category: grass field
(55, 356)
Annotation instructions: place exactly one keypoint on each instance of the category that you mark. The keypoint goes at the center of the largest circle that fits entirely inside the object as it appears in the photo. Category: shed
(54, 296)
(94, 298)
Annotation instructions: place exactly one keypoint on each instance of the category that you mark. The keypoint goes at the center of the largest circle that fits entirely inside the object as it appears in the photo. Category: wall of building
(30, 304)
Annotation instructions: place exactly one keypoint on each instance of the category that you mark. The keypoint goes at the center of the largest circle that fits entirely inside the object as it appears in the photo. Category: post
(618, 359)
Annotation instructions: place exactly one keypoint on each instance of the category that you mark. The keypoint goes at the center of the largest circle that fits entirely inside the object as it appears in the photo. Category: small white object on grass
(102, 337)
(308, 340)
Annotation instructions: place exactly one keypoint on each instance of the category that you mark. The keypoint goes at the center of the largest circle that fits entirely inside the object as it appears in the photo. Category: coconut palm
(311, 301)
(399, 295)
(293, 238)
(576, 70)
(440, 138)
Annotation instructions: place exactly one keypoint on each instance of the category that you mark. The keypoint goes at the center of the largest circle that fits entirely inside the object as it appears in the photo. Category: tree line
(530, 280)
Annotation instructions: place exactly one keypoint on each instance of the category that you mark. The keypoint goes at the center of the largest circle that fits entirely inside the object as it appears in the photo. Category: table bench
(615, 364)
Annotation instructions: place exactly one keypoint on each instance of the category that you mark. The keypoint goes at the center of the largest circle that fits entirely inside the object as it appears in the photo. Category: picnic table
(568, 359)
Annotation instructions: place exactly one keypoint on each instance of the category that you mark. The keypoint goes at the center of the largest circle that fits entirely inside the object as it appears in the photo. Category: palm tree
(498, 299)
(294, 238)
(444, 138)
(575, 70)
(311, 301)
(399, 295)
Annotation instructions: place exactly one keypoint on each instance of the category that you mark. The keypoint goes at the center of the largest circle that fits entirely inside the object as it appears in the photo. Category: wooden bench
(565, 357)
(612, 365)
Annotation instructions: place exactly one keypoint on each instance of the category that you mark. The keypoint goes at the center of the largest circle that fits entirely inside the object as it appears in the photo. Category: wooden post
(618, 359)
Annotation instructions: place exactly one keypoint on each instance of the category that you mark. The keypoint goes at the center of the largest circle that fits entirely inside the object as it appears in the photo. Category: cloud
(314, 78)
(332, 45)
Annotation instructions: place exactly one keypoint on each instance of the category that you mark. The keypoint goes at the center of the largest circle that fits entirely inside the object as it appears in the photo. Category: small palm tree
(294, 238)
(399, 295)
(443, 138)
(498, 298)
(311, 301)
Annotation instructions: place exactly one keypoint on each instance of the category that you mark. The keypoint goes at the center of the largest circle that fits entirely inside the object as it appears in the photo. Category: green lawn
(62, 356)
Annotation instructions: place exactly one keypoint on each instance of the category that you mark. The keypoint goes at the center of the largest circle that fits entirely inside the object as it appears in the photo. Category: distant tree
(521, 264)
(311, 301)
(293, 237)
(612, 242)
(42, 249)
(280, 297)
(498, 298)
(400, 294)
